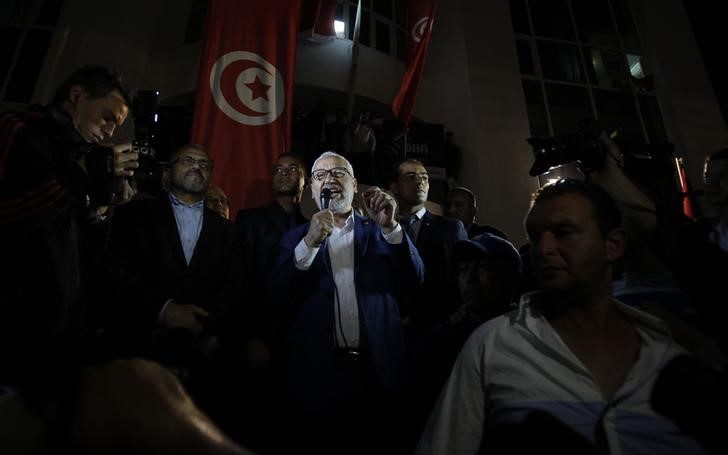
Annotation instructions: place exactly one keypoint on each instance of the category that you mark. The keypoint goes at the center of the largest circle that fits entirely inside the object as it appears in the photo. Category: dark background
(710, 25)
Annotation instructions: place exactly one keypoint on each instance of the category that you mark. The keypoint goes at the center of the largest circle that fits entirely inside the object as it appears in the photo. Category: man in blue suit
(339, 280)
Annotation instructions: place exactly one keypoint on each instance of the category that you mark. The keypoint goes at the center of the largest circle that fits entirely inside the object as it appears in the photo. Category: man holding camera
(53, 174)
(57, 387)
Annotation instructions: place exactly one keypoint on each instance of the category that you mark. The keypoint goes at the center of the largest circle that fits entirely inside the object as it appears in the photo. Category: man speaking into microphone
(339, 280)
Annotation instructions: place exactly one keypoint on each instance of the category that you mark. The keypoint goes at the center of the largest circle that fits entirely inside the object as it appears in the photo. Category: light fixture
(339, 29)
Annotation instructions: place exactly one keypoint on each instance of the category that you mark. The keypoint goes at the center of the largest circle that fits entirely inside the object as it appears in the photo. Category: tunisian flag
(244, 93)
(420, 17)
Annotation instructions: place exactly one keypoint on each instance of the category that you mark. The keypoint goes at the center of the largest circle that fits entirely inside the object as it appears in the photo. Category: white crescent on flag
(259, 87)
(418, 30)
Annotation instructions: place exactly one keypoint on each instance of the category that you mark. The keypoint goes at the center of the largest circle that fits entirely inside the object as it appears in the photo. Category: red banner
(319, 16)
(244, 93)
(420, 17)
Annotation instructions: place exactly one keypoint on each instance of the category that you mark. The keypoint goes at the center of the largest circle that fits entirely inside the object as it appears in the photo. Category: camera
(652, 166)
(583, 146)
(145, 111)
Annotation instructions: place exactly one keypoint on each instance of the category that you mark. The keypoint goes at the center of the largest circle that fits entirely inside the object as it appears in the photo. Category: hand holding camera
(125, 160)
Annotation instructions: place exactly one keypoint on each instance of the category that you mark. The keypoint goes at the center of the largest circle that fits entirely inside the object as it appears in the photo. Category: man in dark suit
(433, 235)
(262, 229)
(176, 270)
(346, 347)
(177, 263)
(461, 204)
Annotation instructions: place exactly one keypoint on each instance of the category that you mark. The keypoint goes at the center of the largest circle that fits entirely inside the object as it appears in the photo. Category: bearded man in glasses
(176, 270)
(339, 279)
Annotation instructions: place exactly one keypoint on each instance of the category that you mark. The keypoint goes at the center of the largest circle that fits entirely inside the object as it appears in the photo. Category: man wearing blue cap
(487, 270)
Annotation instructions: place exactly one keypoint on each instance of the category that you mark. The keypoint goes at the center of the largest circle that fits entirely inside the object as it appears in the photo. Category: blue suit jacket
(383, 273)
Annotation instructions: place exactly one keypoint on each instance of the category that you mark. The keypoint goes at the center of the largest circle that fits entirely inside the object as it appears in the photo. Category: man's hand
(125, 195)
(125, 161)
(321, 226)
(176, 315)
(380, 207)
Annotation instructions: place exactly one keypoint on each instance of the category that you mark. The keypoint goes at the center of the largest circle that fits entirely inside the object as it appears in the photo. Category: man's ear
(394, 188)
(615, 244)
(75, 93)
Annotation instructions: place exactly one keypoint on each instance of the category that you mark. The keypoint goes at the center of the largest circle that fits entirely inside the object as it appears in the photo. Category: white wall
(473, 86)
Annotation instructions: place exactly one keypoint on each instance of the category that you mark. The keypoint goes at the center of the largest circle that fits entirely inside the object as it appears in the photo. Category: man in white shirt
(345, 347)
(570, 352)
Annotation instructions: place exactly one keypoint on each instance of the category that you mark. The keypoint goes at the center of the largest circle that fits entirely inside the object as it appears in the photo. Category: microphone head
(325, 198)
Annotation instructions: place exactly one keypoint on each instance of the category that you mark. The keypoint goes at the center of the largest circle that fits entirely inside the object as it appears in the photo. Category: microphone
(325, 198)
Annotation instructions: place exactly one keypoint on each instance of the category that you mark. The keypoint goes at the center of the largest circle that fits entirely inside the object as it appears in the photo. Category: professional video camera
(583, 147)
(145, 111)
(651, 166)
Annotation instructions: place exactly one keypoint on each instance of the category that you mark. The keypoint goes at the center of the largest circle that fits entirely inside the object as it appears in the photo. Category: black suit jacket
(261, 231)
(437, 297)
(148, 266)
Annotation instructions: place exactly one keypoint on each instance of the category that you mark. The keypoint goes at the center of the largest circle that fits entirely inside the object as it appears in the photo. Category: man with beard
(340, 279)
(176, 272)
(572, 364)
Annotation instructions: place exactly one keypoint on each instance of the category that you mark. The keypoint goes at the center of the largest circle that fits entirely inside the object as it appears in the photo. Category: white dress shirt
(340, 246)
(518, 363)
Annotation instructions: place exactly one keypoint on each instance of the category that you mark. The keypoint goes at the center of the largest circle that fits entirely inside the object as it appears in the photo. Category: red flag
(244, 93)
(420, 17)
(319, 15)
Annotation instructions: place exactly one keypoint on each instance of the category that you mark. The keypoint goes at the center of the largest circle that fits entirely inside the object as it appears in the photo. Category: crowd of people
(142, 324)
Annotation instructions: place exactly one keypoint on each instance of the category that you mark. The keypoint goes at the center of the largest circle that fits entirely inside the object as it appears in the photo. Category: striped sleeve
(28, 186)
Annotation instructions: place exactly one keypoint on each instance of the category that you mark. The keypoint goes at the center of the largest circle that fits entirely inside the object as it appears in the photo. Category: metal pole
(354, 62)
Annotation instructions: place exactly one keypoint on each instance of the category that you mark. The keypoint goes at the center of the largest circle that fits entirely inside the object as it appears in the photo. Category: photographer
(55, 383)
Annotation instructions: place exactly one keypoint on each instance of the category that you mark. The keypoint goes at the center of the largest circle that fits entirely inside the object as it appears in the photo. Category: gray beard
(337, 205)
(191, 186)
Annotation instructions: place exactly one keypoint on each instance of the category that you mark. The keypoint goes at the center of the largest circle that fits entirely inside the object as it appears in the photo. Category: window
(26, 27)
(525, 59)
(519, 17)
(583, 59)
(560, 62)
(382, 25)
(594, 22)
(552, 19)
(537, 118)
(195, 22)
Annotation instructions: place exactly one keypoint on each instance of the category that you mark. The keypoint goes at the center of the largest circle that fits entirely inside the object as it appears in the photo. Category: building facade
(497, 73)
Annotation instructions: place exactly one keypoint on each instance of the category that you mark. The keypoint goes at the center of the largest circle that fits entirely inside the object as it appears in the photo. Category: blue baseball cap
(488, 246)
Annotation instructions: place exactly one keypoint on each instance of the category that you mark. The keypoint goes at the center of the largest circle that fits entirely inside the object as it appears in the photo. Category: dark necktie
(409, 226)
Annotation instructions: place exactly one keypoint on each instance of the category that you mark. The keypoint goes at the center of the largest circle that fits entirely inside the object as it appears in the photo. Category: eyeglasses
(337, 173)
(281, 170)
(188, 161)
